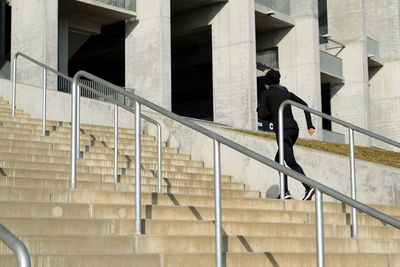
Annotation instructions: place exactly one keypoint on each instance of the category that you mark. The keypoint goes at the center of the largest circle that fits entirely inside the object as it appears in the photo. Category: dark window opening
(326, 105)
(322, 20)
(191, 61)
(5, 39)
(102, 55)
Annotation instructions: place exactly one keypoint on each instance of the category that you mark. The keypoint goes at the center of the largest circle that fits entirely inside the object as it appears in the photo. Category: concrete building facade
(206, 58)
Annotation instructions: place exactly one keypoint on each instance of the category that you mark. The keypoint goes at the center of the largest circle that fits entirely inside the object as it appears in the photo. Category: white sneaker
(309, 194)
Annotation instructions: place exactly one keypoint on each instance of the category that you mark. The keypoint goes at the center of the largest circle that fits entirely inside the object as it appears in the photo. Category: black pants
(289, 139)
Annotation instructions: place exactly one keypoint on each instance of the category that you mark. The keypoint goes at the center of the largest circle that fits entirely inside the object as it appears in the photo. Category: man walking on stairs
(269, 102)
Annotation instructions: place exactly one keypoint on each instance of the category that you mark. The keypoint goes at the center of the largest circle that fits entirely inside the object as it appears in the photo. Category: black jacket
(269, 102)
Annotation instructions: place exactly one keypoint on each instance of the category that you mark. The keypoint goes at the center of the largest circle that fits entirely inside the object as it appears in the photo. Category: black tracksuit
(271, 99)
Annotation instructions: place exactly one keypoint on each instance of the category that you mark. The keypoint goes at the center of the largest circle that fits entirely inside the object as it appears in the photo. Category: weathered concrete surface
(351, 100)
(34, 27)
(148, 52)
(385, 82)
(234, 65)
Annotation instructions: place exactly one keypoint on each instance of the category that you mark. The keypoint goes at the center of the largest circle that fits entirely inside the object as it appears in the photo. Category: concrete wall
(148, 52)
(351, 100)
(234, 65)
(34, 32)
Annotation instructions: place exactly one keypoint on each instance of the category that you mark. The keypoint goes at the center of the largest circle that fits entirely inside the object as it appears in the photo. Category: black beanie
(272, 77)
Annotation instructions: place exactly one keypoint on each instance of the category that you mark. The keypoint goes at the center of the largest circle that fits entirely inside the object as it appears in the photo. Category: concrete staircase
(94, 224)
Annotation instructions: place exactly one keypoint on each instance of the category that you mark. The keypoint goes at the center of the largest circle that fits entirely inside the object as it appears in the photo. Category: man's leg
(285, 182)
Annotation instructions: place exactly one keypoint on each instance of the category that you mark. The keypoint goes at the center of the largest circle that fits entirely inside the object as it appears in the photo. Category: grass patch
(377, 155)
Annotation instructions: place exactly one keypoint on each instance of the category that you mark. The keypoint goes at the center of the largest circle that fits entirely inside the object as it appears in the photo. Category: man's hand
(311, 131)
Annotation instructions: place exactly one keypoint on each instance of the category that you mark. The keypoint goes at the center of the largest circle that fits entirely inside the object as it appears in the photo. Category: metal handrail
(218, 139)
(319, 191)
(341, 46)
(16, 245)
(45, 70)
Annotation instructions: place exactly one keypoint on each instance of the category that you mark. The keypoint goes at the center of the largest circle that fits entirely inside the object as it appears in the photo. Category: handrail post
(319, 225)
(44, 101)
(78, 120)
(217, 200)
(14, 84)
(73, 132)
(138, 202)
(16, 245)
(159, 160)
(281, 150)
(354, 225)
(116, 143)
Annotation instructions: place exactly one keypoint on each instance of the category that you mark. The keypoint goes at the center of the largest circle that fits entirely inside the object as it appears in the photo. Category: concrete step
(168, 154)
(167, 183)
(83, 142)
(85, 176)
(6, 128)
(58, 226)
(167, 212)
(101, 136)
(6, 113)
(34, 122)
(76, 245)
(187, 228)
(27, 120)
(139, 260)
(123, 160)
(117, 198)
(169, 244)
(129, 188)
(44, 210)
(267, 228)
(268, 259)
(109, 132)
(257, 204)
(36, 149)
(26, 144)
(265, 259)
(339, 207)
(100, 148)
(68, 226)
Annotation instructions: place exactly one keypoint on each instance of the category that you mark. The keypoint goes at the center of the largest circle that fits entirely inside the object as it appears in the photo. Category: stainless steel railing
(218, 140)
(103, 94)
(318, 196)
(16, 245)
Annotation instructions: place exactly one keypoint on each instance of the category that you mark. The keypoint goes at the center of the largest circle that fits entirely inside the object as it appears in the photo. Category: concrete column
(234, 65)
(34, 28)
(351, 101)
(385, 81)
(299, 60)
(148, 52)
